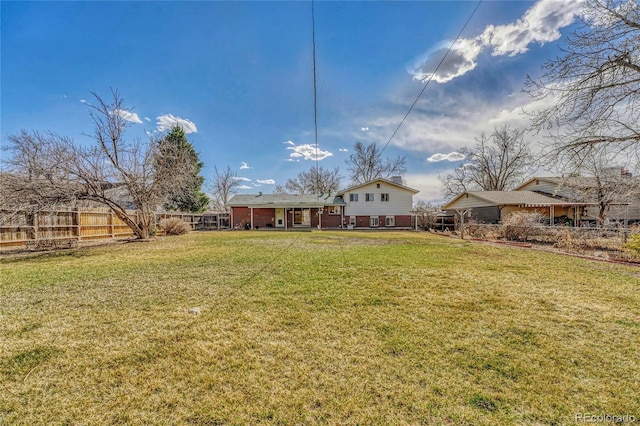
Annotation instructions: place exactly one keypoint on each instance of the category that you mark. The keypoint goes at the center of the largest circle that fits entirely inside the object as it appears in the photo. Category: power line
(431, 77)
(315, 87)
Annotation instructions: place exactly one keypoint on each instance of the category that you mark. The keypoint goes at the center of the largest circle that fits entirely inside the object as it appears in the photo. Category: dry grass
(322, 327)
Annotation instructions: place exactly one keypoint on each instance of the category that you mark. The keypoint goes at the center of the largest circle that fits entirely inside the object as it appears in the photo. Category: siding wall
(469, 201)
(545, 187)
(489, 214)
(400, 201)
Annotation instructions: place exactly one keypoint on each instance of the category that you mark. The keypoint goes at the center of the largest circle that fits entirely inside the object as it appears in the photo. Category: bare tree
(47, 169)
(367, 164)
(597, 176)
(499, 162)
(592, 89)
(224, 185)
(314, 181)
(279, 189)
(425, 214)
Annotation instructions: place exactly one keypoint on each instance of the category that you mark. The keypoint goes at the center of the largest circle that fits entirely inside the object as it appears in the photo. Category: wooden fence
(22, 228)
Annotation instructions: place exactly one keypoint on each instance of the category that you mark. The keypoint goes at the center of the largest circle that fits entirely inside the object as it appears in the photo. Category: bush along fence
(64, 228)
(614, 243)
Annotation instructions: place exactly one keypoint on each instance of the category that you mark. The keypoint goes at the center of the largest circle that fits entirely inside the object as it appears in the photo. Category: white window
(353, 197)
(390, 221)
(384, 197)
(335, 209)
(374, 221)
(352, 220)
(369, 197)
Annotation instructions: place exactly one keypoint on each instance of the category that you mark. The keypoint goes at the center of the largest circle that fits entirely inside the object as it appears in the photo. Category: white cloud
(429, 186)
(129, 116)
(167, 121)
(307, 152)
(244, 187)
(244, 166)
(147, 119)
(290, 143)
(84, 101)
(452, 156)
(364, 129)
(266, 181)
(460, 60)
(343, 150)
(459, 119)
(242, 179)
(541, 24)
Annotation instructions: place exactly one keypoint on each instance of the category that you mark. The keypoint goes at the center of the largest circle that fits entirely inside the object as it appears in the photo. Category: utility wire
(431, 77)
(315, 88)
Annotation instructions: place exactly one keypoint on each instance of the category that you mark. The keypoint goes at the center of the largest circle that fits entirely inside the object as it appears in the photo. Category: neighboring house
(580, 188)
(494, 206)
(380, 203)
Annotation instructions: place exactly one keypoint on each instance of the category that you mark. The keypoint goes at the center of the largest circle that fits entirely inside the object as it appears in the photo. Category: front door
(279, 218)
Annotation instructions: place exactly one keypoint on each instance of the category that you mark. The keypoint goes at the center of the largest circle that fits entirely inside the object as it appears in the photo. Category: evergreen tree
(188, 198)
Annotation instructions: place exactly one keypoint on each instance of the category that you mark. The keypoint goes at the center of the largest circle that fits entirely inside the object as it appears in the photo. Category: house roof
(285, 200)
(573, 183)
(520, 198)
(303, 200)
(577, 181)
(399, 185)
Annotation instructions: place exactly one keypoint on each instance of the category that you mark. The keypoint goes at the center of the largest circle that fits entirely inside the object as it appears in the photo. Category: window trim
(390, 221)
(370, 196)
(374, 221)
(353, 197)
(384, 197)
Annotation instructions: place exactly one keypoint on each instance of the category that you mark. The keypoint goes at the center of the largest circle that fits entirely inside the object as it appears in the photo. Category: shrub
(484, 231)
(519, 226)
(568, 240)
(633, 242)
(175, 226)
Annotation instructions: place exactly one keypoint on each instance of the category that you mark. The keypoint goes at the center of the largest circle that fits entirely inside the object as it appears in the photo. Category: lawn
(316, 327)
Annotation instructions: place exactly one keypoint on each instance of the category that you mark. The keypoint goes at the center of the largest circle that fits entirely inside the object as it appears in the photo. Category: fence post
(112, 228)
(36, 220)
(76, 223)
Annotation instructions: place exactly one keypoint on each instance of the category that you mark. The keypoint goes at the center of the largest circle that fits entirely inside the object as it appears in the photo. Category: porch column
(551, 215)
(626, 216)
(251, 209)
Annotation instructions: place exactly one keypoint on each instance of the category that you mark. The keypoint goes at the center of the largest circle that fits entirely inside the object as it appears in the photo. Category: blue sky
(238, 76)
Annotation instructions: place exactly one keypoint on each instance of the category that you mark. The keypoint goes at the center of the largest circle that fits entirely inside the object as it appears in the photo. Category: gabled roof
(510, 198)
(399, 185)
(569, 187)
(579, 181)
(285, 200)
